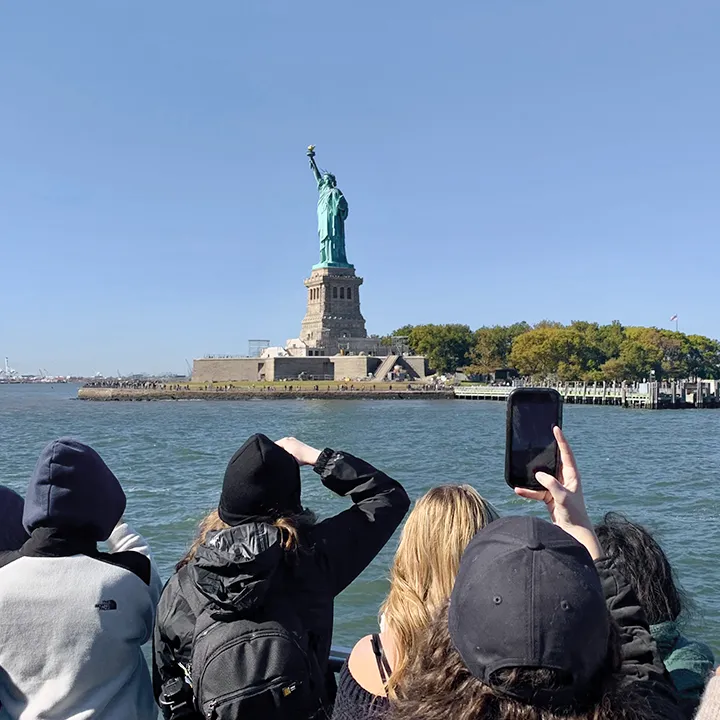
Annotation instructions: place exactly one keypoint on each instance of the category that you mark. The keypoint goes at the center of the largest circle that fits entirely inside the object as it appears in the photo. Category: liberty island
(333, 343)
(333, 355)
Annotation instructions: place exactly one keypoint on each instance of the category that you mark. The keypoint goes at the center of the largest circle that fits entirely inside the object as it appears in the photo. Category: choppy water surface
(659, 468)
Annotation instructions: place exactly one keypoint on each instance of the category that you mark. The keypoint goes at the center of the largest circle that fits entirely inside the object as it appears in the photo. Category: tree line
(580, 351)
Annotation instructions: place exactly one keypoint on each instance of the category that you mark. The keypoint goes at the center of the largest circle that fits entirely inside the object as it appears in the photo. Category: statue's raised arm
(313, 164)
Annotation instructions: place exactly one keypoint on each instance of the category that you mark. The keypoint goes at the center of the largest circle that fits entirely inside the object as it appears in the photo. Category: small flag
(673, 318)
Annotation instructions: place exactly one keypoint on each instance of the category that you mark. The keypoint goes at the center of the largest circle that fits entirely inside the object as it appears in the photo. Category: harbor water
(661, 468)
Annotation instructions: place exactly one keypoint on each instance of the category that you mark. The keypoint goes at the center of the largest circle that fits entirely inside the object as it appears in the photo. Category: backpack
(252, 667)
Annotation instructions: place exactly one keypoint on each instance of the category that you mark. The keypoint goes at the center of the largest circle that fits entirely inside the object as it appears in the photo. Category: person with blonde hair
(244, 626)
(539, 626)
(436, 533)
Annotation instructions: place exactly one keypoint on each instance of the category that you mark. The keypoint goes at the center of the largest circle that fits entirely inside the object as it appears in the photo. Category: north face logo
(106, 605)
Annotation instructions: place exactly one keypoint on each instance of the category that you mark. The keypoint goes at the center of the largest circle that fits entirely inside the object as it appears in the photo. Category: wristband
(323, 460)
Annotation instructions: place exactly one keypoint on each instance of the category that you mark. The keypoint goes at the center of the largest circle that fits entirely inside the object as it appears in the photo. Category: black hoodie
(245, 566)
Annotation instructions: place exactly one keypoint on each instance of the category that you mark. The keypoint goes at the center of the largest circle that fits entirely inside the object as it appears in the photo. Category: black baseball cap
(527, 595)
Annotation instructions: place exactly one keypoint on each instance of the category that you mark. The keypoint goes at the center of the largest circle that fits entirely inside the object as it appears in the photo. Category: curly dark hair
(438, 686)
(642, 562)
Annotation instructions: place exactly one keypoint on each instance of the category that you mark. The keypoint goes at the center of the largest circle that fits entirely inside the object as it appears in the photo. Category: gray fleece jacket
(73, 619)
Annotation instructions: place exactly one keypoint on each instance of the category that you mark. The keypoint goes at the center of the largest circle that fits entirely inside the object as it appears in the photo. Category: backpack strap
(380, 658)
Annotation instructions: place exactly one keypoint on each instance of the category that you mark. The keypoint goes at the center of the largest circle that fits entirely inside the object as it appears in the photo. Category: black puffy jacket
(249, 564)
(641, 661)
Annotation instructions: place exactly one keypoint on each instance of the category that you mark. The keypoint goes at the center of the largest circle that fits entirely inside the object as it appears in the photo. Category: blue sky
(503, 161)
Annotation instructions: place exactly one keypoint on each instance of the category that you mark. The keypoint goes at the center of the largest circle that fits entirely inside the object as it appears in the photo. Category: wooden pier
(647, 396)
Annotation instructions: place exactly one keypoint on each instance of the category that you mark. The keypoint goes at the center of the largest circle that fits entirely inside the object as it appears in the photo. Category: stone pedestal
(333, 310)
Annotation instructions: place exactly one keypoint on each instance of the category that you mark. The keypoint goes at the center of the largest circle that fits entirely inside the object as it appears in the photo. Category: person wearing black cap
(539, 626)
(261, 554)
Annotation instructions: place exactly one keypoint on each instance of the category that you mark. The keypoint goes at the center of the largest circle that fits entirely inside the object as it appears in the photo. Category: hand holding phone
(563, 497)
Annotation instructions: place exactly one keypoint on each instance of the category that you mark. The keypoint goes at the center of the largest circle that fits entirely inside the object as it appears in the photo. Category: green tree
(675, 348)
(611, 338)
(579, 351)
(703, 357)
(404, 331)
(640, 356)
(614, 369)
(544, 351)
(492, 346)
(446, 346)
(575, 352)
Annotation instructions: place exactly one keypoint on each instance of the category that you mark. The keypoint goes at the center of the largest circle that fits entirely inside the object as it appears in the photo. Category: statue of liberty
(332, 211)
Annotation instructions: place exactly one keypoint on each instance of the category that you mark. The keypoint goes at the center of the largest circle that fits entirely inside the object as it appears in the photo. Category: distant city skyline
(502, 162)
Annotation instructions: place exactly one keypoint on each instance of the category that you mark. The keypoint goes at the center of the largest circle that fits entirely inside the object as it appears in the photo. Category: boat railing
(338, 655)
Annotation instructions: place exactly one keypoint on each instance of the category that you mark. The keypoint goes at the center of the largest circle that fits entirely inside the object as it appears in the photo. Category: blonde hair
(436, 533)
(290, 528)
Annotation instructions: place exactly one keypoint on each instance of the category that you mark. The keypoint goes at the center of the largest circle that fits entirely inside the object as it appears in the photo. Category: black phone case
(508, 431)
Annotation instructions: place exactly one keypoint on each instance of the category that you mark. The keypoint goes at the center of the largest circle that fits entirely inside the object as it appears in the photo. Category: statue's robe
(332, 211)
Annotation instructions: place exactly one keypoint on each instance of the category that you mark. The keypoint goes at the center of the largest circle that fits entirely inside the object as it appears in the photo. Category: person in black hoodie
(12, 532)
(74, 618)
(261, 549)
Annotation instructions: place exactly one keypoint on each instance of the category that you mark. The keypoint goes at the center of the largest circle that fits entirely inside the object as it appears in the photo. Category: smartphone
(530, 445)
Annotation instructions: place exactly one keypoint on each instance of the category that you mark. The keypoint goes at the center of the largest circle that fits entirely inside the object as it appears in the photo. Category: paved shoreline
(132, 394)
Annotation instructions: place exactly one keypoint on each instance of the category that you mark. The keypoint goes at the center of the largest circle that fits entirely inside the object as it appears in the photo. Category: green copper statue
(332, 211)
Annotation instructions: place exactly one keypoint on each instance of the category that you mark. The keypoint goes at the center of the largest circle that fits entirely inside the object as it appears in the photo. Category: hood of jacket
(236, 567)
(73, 491)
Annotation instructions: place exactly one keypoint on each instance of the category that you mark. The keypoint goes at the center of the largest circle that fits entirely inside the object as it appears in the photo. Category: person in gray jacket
(73, 619)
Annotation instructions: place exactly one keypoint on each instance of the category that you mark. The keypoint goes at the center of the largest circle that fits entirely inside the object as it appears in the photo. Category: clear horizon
(502, 162)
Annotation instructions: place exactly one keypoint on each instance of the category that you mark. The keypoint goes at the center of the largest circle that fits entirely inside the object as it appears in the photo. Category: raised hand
(304, 454)
(564, 499)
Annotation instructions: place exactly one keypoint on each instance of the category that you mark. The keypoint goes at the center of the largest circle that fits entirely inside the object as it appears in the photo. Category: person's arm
(690, 664)
(172, 636)
(563, 497)
(164, 666)
(641, 660)
(348, 542)
(125, 539)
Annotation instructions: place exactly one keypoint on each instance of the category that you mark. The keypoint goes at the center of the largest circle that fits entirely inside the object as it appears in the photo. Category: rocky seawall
(133, 394)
